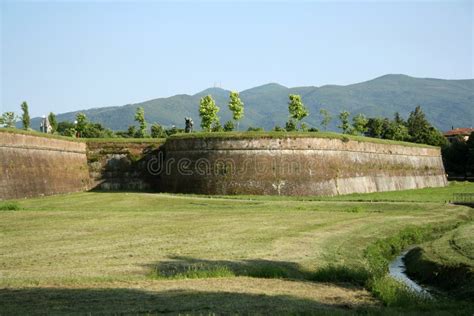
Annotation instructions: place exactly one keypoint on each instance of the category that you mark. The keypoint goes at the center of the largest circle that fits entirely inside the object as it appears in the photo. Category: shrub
(229, 126)
(394, 293)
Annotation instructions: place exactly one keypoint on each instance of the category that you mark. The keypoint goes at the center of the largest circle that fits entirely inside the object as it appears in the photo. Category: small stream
(397, 270)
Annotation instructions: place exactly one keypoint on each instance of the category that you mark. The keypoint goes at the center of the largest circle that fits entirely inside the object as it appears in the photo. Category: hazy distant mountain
(446, 103)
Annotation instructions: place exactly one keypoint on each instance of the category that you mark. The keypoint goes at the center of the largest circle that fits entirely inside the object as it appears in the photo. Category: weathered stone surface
(122, 165)
(297, 166)
(34, 166)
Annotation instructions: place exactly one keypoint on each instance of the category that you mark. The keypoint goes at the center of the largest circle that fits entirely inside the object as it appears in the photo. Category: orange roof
(459, 131)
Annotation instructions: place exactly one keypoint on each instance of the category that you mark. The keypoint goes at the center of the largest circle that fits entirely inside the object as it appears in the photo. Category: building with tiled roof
(459, 133)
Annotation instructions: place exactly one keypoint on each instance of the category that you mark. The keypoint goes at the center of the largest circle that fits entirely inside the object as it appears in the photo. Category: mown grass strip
(9, 206)
(194, 272)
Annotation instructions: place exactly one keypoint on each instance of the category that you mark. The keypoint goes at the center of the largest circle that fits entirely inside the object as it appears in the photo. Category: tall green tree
(395, 130)
(296, 108)
(208, 112)
(8, 119)
(359, 123)
(326, 118)
(421, 131)
(345, 124)
(418, 125)
(53, 121)
(375, 127)
(140, 118)
(398, 119)
(67, 128)
(81, 124)
(236, 106)
(25, 117)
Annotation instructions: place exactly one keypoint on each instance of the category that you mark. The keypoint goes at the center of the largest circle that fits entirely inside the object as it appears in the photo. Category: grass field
(152, 253)
(455, 248)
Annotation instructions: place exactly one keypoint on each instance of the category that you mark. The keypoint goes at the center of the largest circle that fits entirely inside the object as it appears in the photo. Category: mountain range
(446, 103)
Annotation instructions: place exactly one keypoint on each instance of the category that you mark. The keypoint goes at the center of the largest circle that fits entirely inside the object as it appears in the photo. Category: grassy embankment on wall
(230, 135)
(273, 134)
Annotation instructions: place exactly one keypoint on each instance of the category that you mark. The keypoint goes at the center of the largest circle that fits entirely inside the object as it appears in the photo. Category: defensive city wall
(34, 166)
(301, 165)
(276, 164)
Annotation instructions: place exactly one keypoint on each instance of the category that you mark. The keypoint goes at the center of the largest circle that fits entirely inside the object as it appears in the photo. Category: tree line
(458, 156)
(415, 129)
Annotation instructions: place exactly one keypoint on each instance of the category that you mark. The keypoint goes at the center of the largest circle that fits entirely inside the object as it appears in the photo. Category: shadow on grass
(34, 301)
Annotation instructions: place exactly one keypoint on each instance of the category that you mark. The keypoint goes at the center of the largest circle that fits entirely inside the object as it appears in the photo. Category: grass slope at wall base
(297, 166)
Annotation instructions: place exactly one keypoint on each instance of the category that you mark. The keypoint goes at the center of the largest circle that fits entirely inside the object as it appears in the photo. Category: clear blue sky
(64, 56)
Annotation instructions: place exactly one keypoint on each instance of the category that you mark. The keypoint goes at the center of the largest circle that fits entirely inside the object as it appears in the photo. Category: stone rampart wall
(297, 166)
(35, 166)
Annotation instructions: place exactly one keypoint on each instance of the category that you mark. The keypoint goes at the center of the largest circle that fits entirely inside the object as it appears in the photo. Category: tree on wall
(66, 128)
(140, 118)
(25, 117)
(359, 123)
(345, 124)
(290, 126)
(326, 118)
(236, 106)
(421, 131)
(398, 119)
(53, 122)
(375, 127)
(132, 131)
(81, 124)
(395, 130)
(229, 126)
(208, 112)
(8, 119)
(297, 111)
(157, 131)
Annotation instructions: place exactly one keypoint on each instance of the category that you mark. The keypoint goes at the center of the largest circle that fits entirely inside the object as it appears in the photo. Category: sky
(62, 56)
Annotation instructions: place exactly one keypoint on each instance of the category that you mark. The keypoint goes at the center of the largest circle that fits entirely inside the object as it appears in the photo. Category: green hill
(446, 103)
